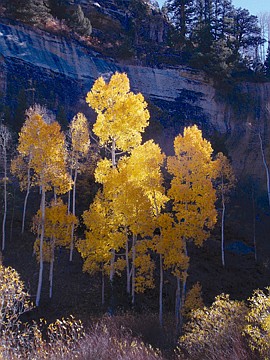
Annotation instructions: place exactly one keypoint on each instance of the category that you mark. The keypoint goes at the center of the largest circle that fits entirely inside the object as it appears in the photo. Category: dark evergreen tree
(29, 11)
(78, 21)
(59, 8)
(245, 31)
(267, 63)
(181, 13)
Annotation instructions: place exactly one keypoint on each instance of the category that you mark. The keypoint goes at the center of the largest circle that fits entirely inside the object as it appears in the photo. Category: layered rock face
(54, 71)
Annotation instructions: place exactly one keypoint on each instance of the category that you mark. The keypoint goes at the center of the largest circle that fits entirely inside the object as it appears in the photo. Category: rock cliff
(57, 71)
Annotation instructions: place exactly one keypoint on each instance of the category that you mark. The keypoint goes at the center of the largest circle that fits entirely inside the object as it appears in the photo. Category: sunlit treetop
(80, 140)
(191, 189)
(44, 145)
(121, 115)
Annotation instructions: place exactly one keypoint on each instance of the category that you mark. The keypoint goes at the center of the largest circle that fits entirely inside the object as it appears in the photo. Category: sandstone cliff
(54, 71)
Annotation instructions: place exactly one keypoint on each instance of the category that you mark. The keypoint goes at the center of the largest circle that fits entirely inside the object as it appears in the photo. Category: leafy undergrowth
(227, 330)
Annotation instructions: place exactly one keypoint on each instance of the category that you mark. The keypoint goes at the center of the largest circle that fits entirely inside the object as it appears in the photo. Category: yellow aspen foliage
(225, 179)
(58, 224)
(46, 250)
(79, 143)
(191, 189)
(193, 300)
(144, 169)
(100, 237)
(144, 265)
(212, 328)
(19, 168)
(14, 300)
(44, 144)
(169, 243)
(103, 171)
(80, 140)
(121, 115)
(257, 329)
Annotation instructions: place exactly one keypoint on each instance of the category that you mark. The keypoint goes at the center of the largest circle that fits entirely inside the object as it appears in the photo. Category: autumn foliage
(139, 225)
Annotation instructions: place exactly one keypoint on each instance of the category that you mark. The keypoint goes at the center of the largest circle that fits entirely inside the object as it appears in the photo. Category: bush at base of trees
(229, 329)
(65, 338)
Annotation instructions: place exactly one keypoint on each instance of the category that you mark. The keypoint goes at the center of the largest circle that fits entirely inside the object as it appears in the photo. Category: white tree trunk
(5, 198)
(161, 291)
(40, 277)
(222, 222)
(127, 266)
(112, 271)
(178, 306)
(184, 289)
(254, 225)
(51, 268)
(222, 231)
(133, 269)
(26, 198)
(73, 213)
(266, 168)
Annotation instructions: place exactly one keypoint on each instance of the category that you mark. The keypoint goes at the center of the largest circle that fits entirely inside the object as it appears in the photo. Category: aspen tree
(137, 195)
(121, 118)
(121, 115)
(170, 246)
(46, 144)
(21, 165)
(266, 166)
(21, 169)
(80, 143)
(224, 183)
(144, 168)
(101, 236)
(192, 190)
(5, 145)
(58, 225)
(132, 212)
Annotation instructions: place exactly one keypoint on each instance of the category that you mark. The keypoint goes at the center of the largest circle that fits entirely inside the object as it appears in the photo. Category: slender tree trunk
(133, 269)
(127, 266)
(254, 225)
(69, 195)
(26, 198)
(222, 232)
(161, 291)
(112, 272)
(112, 269)
(74, 213)
(5, 199)
(178, 306)
(51, 268)
(184, 289)
(222, 223)
(40, 277)
(266, 168)
(113, 153)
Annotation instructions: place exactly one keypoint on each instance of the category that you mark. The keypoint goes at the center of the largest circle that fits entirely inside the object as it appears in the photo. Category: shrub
(257, 329)
(193, 300)
(14, 301)
(107, 341)
(63, 339)
(215, 332)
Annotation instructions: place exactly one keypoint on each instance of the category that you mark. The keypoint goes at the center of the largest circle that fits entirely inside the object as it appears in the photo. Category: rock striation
(55, 70)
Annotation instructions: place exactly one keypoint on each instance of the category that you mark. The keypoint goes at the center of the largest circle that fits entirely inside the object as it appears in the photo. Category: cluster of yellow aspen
(133, 215)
